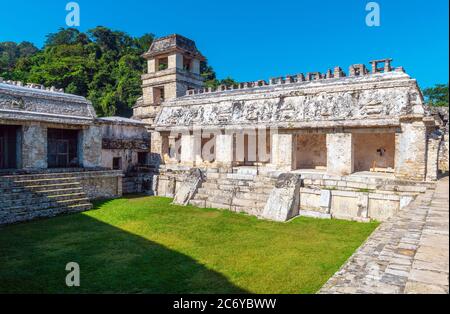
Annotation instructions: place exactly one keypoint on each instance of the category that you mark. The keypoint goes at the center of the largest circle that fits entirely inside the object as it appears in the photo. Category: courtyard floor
(145, 245)
(407, 254)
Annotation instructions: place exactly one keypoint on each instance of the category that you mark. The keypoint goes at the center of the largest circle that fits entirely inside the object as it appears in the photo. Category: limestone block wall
(352, 205)
(91, 147)
(102, 184)
(444, 153)
(283, 156)
(374, 150)
(311, 151)
(34, 146)
(433, 143)
(340, 153)
(411, 150)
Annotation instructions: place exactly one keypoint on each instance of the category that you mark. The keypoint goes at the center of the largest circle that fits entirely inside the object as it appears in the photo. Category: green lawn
(146, 245)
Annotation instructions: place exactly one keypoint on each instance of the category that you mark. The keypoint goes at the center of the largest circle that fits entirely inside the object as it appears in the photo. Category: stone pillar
(159, 148)
(339, 154)
(188, 150)
(282, 151)
(224, 150)
(434, 140)
(34, 147)
(410, 150)
(90, 152)
(151, 65)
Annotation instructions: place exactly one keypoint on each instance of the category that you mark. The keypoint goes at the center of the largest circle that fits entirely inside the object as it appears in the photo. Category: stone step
(54, 186)
(48, 175)
(198, 203)
(254, 195)
(38, 199)
(44, 190)
(43, 202)
(35, 182)
(25, 215)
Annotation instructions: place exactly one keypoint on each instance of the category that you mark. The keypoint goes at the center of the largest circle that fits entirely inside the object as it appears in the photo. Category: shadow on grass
(34, 256)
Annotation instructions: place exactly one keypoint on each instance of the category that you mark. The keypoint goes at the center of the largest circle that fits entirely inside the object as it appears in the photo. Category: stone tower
(173, 69)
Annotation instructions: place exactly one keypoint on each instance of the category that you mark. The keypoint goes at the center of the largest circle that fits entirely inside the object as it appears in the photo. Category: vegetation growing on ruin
(102, 64)
(147, 245)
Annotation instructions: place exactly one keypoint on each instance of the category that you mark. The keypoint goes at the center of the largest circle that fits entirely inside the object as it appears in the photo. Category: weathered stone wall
(444, 152)
(34, 146)
(411, 150)
(91, 147)
(351, 205)
(341, 101)
(34, 102)
(340, 153)
(311, 151)
(123, 138)
(323, 196)
(102, 185)
(374, 150)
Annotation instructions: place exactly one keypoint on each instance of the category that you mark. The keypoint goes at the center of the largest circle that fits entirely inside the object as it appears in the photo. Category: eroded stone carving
(188, 187)
(287, 103)
(283, 202)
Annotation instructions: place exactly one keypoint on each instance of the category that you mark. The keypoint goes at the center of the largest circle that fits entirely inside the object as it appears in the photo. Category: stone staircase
(236, 192)
(26, 197)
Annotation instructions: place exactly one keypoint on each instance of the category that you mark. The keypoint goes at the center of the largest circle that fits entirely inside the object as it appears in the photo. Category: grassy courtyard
(146, 245)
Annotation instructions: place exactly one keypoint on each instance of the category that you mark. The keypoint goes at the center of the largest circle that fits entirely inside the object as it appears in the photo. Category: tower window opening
(163, 64)
(187, 64)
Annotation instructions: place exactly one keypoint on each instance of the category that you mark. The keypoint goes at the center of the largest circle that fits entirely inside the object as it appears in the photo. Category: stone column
(224, 150)
(410, 150)
(187, 150)
(282, 151)
(434, 140)
(34, 147)
(90, 152)
(339, 154)
(172, 146)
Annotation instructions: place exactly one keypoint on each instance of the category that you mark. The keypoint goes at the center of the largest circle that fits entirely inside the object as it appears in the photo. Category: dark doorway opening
(8, 146)
(63, 148)
(117, 163)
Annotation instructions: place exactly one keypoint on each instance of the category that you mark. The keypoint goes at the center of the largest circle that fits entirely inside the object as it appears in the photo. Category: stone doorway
(311, 151)
(62, 148)
(374, 152)
(9, 147)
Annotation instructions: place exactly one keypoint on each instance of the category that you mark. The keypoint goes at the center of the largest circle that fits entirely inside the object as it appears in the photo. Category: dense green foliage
(10, 52)
(437, 96)
(103, 65)
(147, 245)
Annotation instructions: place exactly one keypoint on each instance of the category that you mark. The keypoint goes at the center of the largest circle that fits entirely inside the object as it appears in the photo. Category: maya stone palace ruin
(359, 145)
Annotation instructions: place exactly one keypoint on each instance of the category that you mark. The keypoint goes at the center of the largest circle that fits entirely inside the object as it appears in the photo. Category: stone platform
(407, 254)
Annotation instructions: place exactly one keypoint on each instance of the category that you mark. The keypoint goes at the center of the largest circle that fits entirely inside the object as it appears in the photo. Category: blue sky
(250, 40)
